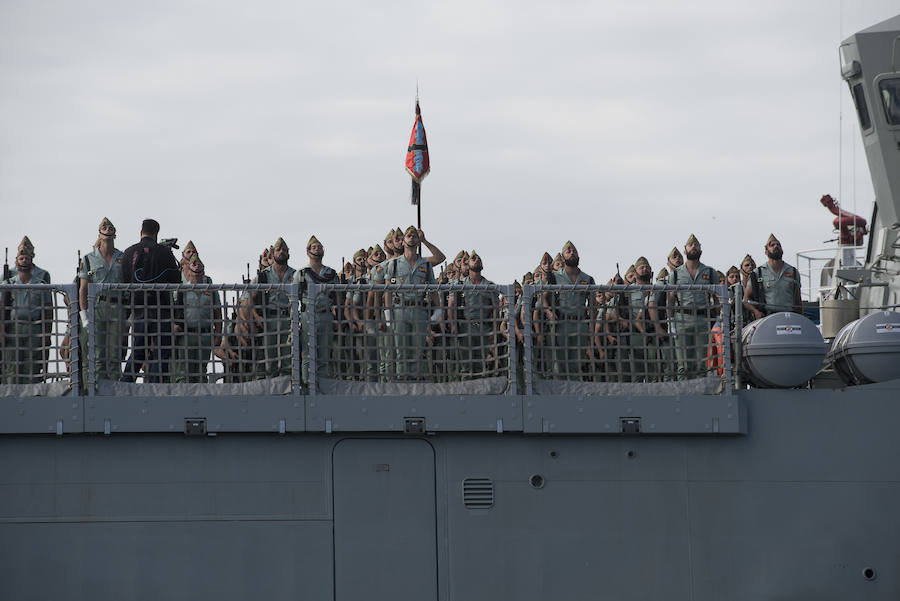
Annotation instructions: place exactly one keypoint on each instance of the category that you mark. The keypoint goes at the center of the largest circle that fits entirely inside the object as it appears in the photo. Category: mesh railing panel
(375, 339)
(411, 334)
(37, 347)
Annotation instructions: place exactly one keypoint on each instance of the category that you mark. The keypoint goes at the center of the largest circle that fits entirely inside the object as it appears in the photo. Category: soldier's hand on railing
(551, 316)
(65, 350)
(521, 337)
(177, 328)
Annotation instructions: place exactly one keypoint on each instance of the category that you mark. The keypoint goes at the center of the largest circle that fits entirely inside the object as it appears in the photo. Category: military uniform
(693, 312)
(323, 317)
(26, 340)
(384, 335)
(409, 315)
(573, 329)
(109, 317)
(477, 328)
(778, 289)
(277, 329)
(195, 343)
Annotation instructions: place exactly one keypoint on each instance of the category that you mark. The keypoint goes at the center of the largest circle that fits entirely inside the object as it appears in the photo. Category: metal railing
(39, 336)
(385, 339)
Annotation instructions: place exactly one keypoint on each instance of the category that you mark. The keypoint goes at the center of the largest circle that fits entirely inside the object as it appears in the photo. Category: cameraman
(148, 262)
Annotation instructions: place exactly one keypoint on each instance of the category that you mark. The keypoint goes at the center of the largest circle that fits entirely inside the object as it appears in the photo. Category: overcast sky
(622, 126)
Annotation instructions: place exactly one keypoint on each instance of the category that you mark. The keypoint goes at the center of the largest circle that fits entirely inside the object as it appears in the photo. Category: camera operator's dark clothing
(149, 263)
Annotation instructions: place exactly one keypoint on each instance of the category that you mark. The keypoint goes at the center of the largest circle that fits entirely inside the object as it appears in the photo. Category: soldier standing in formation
(691, 311)
(777, 282)
(25, 335)
(321, 307)
(103, 265)
(201, 326)
(577, 312)
(479, 323)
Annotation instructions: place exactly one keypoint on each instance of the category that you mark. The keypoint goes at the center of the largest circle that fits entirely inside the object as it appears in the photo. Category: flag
(417, 163)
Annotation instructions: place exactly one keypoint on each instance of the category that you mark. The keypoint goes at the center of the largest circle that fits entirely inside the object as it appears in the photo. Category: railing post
(722, 293)
(509, 291)
(738, 332)
(528, 347)
(296, 369)
(71, 291)
(92, 352)
(312, 294)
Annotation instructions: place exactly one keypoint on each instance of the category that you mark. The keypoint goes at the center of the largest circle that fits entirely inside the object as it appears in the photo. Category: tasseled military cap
(528, 276)
(377, 249)
(411, 229)
(517, 286)
(721, 275)
(567, 245)
(663, 274)
(398, 231)
(189, 249)
(771, 238)
(265, 254)
(390, 235)
(748, 258)
(369, 251)
(733, 269)
(460, 255)
(106, 223)
(474, 254)
(629, 270)
(360, 253)
(195, 261)
(312, 240)
(675, 253)
(558, 257)
(546, 257)
(642, 261)
(692, 239)
(280, 242)
(26, 247)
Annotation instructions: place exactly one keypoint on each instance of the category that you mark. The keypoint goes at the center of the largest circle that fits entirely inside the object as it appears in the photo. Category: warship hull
(793, 495)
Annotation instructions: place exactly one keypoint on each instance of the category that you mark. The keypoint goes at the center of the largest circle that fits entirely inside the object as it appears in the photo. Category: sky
(621, 126)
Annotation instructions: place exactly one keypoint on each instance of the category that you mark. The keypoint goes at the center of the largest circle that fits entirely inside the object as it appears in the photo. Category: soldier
(642, 306)
(691, 311)
(275, 324)
(25, 336)
(777, 282)
(102, 266)
(201, 326)
(732, 276)
(409, 312)
(322, 307)
(630, 275)
(667, 365)
(189, 251)
(576, 314)
(747, 267)
(479, 312)
(378, 312)
(362, 330)
(558, 262)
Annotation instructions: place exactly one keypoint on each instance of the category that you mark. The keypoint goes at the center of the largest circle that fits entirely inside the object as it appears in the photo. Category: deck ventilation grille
(478, 493)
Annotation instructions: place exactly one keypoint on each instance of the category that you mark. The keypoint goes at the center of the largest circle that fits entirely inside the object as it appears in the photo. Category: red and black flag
(417, 162)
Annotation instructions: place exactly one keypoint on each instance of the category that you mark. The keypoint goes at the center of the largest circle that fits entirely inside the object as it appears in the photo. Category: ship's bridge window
(859, 99)
(890, 97)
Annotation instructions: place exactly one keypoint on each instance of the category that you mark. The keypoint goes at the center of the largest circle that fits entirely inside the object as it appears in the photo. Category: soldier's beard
(282, 261)
(572, 262)
(775, 254)
(644, 279)
(476, 269)
(693, 255)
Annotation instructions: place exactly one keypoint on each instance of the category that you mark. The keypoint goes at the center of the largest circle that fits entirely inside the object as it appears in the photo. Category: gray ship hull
(799, 502)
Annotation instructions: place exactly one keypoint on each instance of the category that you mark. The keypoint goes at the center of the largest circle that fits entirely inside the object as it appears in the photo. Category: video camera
(169, 242)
